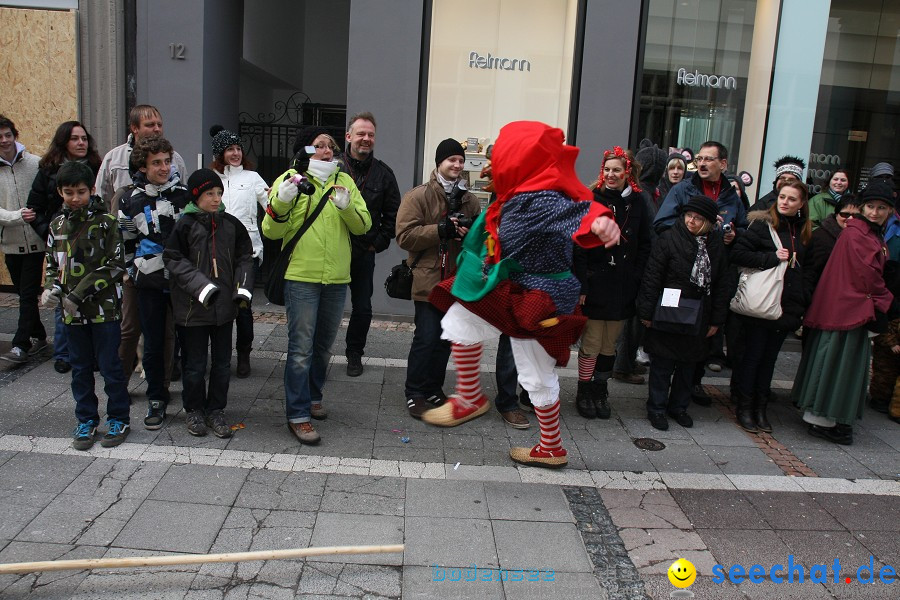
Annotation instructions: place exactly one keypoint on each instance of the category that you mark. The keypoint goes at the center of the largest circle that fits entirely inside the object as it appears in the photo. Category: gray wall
(101, 73)
(200, 90)
(386, 82)
(325, 50)
(607, 81)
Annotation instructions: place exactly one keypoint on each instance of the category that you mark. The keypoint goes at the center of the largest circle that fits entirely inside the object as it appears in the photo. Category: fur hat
(878, 190)
(652, 160)
(448, 148)
(703, 206)
(222, 139)
(306, 137)
(202, 180)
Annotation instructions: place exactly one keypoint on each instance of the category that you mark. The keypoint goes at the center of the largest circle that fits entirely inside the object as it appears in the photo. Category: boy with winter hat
(85, 266)
(209, 257)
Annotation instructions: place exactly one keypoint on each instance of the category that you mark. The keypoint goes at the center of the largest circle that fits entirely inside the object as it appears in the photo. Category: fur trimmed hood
(759, 215)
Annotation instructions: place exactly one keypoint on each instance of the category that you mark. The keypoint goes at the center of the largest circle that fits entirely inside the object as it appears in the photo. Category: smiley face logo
(682, 573)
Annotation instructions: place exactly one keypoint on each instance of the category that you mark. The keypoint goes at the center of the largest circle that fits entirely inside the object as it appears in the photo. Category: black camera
(727, 228)
(304, 185)
(462, 220)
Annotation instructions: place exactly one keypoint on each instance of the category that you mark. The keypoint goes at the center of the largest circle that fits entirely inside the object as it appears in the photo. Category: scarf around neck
(701, 273)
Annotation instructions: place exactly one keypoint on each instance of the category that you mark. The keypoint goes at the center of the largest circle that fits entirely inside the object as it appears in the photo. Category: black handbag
(274, 289)
(684, 319)
(399, 281)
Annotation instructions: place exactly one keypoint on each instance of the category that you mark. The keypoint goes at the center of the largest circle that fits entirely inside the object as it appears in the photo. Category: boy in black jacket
(210, 260)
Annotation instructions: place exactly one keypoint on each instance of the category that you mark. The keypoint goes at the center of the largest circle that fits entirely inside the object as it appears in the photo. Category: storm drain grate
(649, 444)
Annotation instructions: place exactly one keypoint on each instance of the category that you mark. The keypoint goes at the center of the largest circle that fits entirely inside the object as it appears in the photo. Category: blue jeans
(60, 340)
(153, 307)
(426, 366)
(362, 272)
(97, 342)
(507, 377)
(314, 312)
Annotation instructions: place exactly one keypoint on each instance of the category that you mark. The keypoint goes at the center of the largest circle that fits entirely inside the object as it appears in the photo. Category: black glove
(447, 229)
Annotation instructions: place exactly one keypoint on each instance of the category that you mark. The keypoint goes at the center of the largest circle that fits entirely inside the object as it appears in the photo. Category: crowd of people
(661, 267)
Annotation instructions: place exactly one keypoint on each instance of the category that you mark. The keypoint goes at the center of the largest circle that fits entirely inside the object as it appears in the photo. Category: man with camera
(432, 220)
(378, 186)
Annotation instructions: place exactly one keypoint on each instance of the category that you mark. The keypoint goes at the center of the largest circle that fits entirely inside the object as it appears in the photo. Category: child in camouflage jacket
(85, 265)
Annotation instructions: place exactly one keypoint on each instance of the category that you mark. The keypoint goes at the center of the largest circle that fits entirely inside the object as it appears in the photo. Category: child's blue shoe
(83, 436)
(116, 434)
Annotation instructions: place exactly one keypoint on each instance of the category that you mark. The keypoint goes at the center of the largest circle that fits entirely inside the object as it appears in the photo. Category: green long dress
(834, 374)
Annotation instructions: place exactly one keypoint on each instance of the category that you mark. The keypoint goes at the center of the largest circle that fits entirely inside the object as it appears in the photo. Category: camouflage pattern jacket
(85, 261)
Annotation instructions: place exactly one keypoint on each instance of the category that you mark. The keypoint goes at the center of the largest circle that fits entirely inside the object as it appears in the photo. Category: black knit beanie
(202, 180)
(703, 206)
(652, 160)
(448, 148)
(222, 139)
(306, 137)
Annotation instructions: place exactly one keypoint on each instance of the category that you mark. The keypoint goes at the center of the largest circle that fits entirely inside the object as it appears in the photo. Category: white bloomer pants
(535, 366)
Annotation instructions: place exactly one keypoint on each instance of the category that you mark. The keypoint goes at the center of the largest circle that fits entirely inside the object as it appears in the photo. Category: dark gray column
(383, 77)
(608, 73)
(188, 66)
(101, 73)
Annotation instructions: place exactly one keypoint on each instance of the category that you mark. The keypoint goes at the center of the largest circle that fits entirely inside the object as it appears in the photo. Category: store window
(696, 62)
(858, 112)
(492, 62)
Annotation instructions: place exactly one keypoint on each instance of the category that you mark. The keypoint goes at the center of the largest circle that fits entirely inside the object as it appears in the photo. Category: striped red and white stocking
(586, 367)
(548, 419)
(468, 371)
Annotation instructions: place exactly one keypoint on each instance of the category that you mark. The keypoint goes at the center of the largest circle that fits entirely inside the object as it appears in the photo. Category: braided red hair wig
(627, 159)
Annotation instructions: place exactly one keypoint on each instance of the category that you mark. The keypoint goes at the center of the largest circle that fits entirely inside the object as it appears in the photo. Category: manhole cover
(649, 444)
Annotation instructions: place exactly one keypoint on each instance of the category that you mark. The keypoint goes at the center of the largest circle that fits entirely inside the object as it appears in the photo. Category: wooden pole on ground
(189, 559)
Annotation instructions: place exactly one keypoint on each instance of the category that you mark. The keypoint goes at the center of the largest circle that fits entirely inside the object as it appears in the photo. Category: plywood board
(38, 72)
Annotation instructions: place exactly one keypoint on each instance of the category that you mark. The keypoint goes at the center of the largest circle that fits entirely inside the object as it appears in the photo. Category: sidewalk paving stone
(527, 502)
(419, 584)
(450, 499)
(173, 526)
(336, 529)
(543, 546)
(200, 484)
(450, 542)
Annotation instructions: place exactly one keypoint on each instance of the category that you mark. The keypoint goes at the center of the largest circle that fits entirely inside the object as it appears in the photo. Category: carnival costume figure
(514, 278)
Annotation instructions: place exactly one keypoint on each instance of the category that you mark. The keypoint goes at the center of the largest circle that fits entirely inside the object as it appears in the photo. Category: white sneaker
(714, 367)
(642, 357)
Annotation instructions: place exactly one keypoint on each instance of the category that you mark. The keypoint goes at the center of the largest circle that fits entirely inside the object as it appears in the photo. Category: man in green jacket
(316, 279)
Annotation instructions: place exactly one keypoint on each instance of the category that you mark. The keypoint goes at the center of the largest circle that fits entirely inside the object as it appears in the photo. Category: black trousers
(670, 385)
(426, 366)
(27, 273)
(195, 343)
(362, 272)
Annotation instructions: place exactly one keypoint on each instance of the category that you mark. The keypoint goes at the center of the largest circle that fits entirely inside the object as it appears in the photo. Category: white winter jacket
(17, 236)
(243, 191)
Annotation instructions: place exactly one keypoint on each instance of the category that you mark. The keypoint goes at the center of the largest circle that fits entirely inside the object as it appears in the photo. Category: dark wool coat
(378, 186)
(852, 287)
(820, 248)
(755, 249)
(610, 277)
(670, 265)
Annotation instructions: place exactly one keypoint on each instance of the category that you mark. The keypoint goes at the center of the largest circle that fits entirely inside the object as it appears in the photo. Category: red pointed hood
(530, 156)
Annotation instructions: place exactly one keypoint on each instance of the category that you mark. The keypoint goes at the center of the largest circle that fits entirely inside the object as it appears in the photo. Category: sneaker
(215, 420)
(196, 424)
(116, 433)
(683, 419)
(628, 378)
(354, 364)
(15, 355)
(38, 345)
(642, 357)
(156, 414)
(61, 366)
(305, 433)
(317, 411)
(515, 418)
(83, 436)
(417, 405)
(714, 367)
(658, 421)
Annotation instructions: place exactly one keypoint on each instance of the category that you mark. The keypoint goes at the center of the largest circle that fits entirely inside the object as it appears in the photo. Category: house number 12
(176, 51)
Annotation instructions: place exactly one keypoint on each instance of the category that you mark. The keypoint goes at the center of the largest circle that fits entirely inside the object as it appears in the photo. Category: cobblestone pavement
(608, 526)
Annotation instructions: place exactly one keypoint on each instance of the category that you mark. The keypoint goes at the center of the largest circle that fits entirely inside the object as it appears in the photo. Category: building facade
(818, 79)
